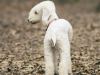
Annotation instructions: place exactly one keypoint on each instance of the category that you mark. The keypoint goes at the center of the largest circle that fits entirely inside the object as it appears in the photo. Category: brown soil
(21, 43)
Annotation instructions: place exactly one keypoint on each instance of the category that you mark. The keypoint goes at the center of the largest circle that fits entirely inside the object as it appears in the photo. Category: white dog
(58, 37)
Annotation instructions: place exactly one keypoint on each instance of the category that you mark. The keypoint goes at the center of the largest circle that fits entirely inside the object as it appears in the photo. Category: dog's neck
(50, 18)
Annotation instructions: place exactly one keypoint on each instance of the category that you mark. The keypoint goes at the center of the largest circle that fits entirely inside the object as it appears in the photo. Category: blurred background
(21, 43)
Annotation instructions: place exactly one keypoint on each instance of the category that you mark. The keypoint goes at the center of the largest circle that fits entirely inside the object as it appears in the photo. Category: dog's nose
(27, 19)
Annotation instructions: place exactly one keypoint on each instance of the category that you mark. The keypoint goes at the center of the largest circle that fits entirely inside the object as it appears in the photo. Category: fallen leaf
(17, 43)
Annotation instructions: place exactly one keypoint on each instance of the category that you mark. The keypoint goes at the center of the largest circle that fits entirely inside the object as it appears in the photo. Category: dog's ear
(46, 14)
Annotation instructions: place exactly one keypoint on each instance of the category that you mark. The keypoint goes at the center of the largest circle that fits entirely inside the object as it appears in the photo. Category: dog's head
(35, 15)
(41, 11)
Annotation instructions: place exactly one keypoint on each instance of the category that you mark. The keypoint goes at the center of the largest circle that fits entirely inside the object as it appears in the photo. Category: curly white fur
(58, 37)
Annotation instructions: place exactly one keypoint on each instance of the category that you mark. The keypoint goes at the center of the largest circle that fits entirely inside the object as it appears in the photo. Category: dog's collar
(50, 23)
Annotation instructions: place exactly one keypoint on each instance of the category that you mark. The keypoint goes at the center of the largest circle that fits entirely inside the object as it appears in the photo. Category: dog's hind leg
(49, 60)
(64, 57)
(55, 61)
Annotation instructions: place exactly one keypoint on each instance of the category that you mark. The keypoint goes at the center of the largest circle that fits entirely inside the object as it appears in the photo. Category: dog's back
(59, 30)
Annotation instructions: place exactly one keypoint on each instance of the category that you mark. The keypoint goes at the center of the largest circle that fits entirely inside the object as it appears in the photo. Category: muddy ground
(21, 43)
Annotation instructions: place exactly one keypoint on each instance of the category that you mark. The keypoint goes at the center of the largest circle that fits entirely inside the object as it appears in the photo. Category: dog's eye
(36, 12)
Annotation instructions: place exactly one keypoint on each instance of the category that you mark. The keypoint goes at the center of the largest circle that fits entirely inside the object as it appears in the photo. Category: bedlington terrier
(58, 38)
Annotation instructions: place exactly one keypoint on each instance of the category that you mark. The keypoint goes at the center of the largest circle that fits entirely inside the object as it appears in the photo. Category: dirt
(21, 43)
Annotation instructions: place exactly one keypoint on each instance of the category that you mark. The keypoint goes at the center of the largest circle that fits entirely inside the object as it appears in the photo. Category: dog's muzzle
(33, 22)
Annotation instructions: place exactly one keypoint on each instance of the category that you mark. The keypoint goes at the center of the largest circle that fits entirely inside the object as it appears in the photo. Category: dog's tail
(54, 40)
(54, 37)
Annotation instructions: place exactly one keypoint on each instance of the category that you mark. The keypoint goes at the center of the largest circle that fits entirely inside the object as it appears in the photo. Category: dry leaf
(17, 43)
